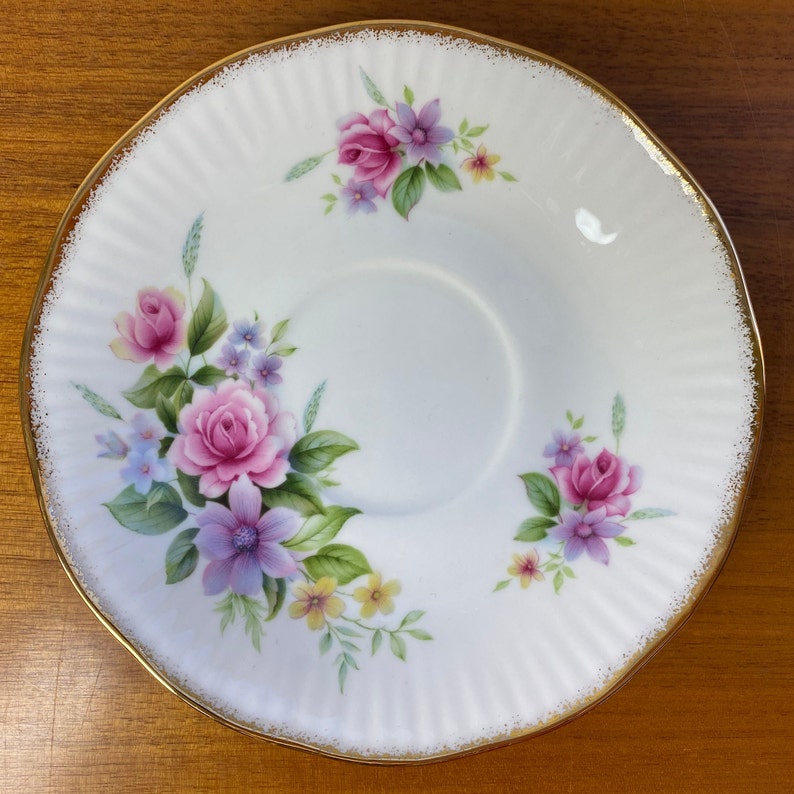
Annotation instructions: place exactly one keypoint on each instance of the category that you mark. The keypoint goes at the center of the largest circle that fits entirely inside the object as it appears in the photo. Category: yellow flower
(377, 596)
(481, 164)
(316, 601)
(525, 566)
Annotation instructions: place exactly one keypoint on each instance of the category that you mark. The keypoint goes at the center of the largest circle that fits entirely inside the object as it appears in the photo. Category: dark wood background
(714, 711)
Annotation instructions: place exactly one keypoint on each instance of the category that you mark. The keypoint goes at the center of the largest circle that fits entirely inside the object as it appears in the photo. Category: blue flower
(143, 468)
(247, 333)
(114, 447)
(359, 197)
(233, 361)
(564, 448)
(147, 431)
(263, 369)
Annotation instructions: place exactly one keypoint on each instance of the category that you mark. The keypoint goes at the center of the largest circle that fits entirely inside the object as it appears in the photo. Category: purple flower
(263, 369)
(359, 196)
(241, 543)
(143, 468)
(585, 533)
(233, 361)
(114, 447)
(146, 432)
(247, 333)
(421, 133)
(564, 448)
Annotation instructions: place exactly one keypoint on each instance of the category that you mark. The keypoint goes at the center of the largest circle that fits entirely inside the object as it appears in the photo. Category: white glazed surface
(452, 343)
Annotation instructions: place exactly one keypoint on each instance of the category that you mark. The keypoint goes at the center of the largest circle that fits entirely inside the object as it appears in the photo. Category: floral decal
(208, 452)
(396, 150)
(584, 506)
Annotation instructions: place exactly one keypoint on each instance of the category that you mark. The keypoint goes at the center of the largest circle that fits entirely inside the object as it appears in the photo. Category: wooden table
(714, 711)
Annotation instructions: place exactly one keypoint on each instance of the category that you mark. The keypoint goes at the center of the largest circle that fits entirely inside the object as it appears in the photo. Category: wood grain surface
(714, 710)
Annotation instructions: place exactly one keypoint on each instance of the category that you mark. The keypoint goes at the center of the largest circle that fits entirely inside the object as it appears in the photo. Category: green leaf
(534, 529)
(208, 375)
(343, 668)
(166, 413)
(297, 493)
(328, 197)
(397, 645)
(153, 383)
(442, 177)
(343, 563)
(321, 529)
(464, 125)
(181, 557)
(286, 350)
(508, 177)
(310, 412)
(559, 580)
(348, 632)
(145, 515)
(189, 485)
(317, 450)
(589, 439)
(329, 209)
(568, 572)
(569, 417)
(408, 189)
(337, 179)
(191, 247)
(303, 167)
(412, 617)
(275, 592)
(578, 423)
(183, 395)
(96, 402)
(208, 322)
(622, 540)
(377, 639)
(408, 95)
(371, 89)
(325, 642)
(280, 328)
(542, 493)
(501, 585)
(419, 634)
(475, 132)
(618, 417)
(649, 512)
(165, 445)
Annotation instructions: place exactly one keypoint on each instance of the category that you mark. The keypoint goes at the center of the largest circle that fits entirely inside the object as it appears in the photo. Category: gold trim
(727, 532)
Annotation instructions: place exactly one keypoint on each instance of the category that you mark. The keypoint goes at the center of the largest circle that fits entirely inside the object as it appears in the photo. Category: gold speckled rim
(727, 532)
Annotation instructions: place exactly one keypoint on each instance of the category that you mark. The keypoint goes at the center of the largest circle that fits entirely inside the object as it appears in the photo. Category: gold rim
(727, 531)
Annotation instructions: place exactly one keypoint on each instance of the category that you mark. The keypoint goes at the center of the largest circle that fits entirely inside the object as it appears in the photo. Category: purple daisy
(233, 361)
(564, 448)
(421, 133)
(247, 333)
(241, 543)
(358, 196)
(585, 533)
(263, 369)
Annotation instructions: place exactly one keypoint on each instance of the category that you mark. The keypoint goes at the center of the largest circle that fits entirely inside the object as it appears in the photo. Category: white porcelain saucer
(392, 392)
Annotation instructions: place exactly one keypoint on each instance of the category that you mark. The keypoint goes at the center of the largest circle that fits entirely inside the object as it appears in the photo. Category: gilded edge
(727, 532)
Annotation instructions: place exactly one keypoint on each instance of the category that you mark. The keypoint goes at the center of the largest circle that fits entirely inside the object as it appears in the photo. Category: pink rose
(607, 482)
(368, 145)
(233, 431)
(157, 329)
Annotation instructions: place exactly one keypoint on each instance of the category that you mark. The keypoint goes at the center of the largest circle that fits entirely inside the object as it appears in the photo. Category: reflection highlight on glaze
(590, 226)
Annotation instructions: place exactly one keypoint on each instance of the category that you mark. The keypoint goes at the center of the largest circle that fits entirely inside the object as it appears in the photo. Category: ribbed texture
(654, 315)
